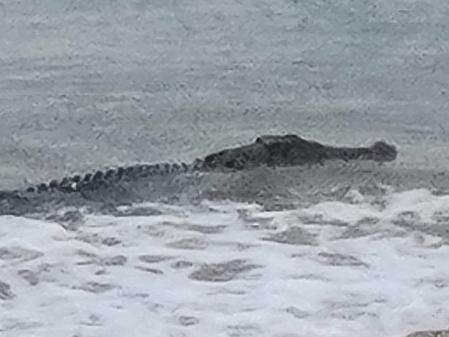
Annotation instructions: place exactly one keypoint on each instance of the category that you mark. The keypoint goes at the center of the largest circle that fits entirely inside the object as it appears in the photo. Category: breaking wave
(370, 264)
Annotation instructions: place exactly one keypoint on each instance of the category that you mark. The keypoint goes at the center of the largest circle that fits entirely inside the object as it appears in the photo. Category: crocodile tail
(110, 176)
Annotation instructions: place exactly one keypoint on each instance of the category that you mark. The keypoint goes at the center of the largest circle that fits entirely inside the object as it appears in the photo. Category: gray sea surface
(91, 84)
(339, 250)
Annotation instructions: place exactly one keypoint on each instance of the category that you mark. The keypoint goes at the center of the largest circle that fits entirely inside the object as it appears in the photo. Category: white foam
(367, 271)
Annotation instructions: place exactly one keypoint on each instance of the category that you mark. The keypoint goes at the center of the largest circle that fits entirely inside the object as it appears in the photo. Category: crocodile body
(272, 151)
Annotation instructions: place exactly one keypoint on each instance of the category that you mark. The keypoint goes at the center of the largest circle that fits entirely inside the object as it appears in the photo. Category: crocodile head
(268, 150)
(382, 152)
(292, 150)
(236, 158)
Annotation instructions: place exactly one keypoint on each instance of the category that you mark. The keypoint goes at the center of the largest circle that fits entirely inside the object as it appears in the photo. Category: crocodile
(268, 150)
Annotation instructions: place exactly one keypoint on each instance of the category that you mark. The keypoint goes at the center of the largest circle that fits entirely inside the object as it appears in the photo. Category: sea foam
(366, 267)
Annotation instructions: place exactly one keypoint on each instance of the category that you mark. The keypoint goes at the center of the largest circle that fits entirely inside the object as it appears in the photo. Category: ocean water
(348, 249)
(89, 84)
(229, 269)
